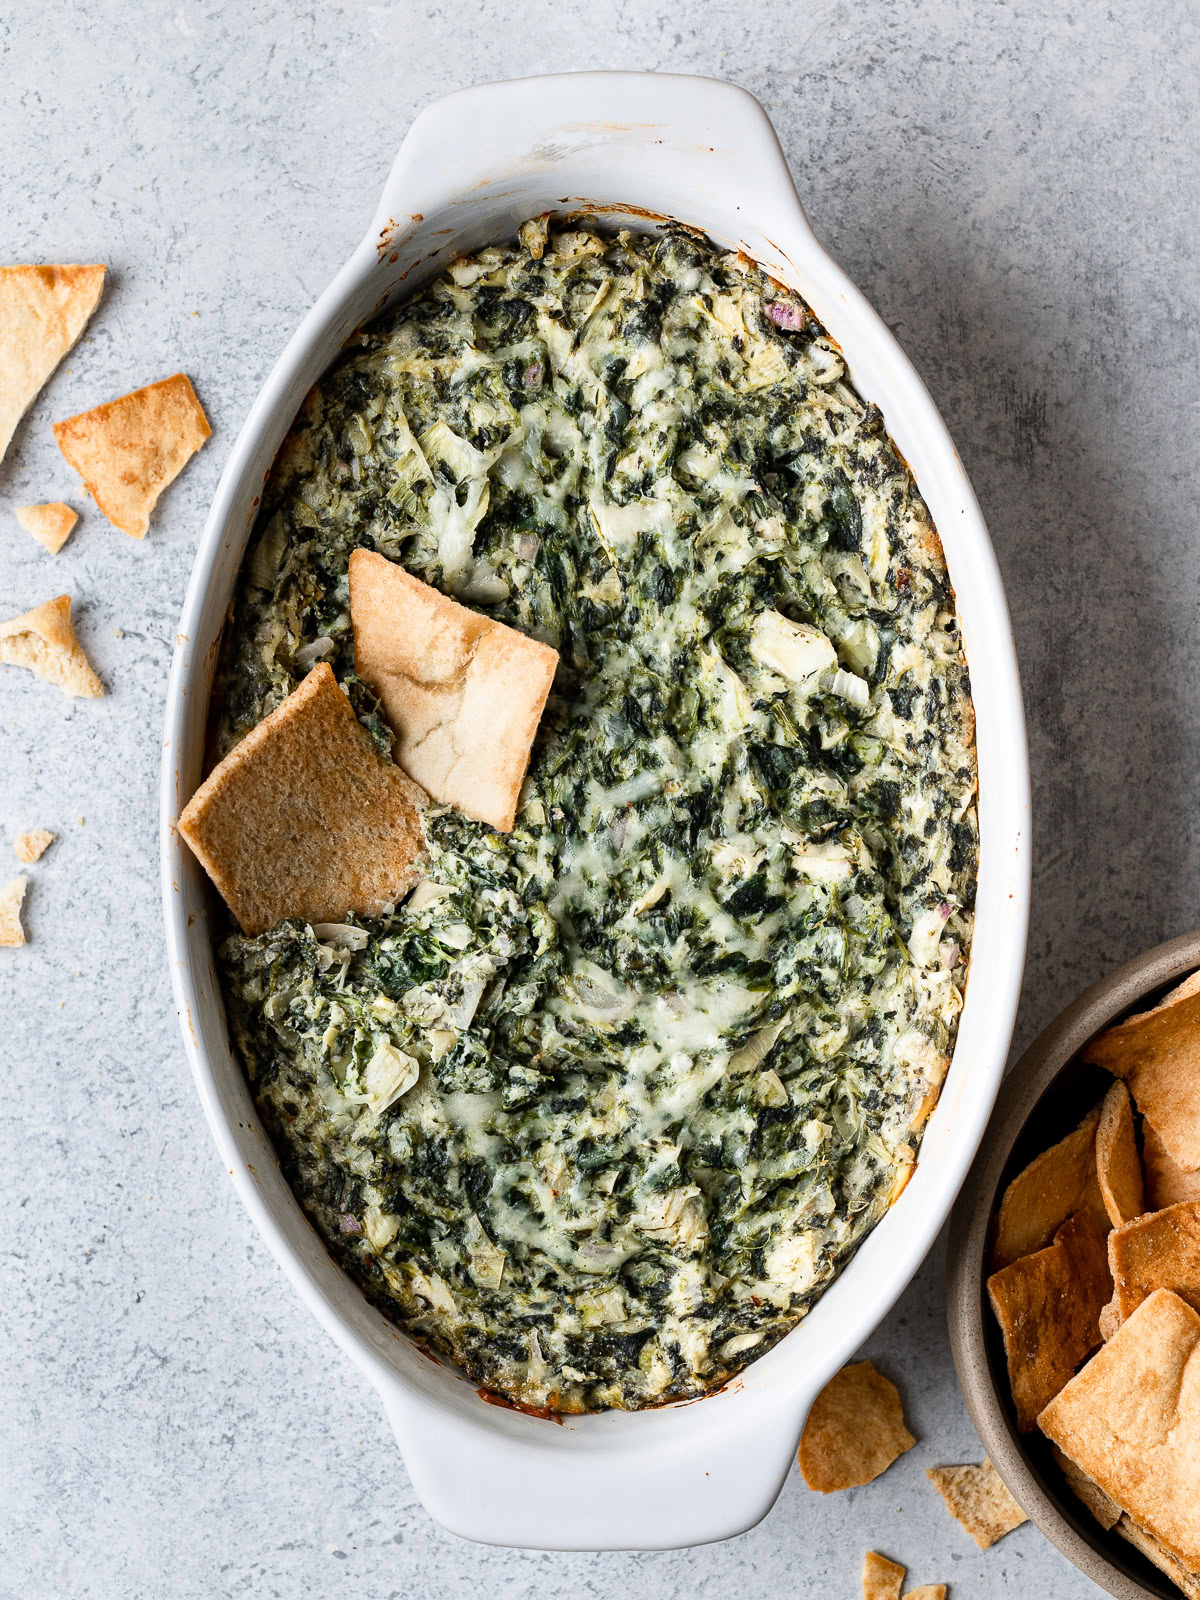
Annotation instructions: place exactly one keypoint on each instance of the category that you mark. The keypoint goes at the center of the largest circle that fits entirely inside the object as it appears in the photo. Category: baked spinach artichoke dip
(588, 567)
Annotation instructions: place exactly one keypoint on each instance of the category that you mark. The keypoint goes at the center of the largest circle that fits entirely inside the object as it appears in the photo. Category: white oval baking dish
(635, 147)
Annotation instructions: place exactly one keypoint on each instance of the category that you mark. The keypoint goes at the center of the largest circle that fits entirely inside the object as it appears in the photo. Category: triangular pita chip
(1188, 1582)
(1048, 1306)
(129, 450)
(854, 1431)
(1158, 1054)
(43, 310)
(1166, 1182)
(49, 524)
(976, 1497)
(304, 818)
(1118, 1166)
(881, 1579)
(1056, 1184)
(464, 694)
(11, 896)
(1131, 1419)
(1106, 1512)
(33, 845)
(1160, 1250)
(926, 1591)
(44, 641)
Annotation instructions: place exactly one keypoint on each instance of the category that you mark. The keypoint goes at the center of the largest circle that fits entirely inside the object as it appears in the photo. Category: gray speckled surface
(1014, 186)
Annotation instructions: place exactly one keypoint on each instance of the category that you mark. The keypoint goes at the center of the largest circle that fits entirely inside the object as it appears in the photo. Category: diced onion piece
(309, 654)
(740, 1343)
(850, 687)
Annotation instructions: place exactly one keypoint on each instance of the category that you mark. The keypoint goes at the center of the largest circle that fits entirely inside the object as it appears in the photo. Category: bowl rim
(1052, 1053)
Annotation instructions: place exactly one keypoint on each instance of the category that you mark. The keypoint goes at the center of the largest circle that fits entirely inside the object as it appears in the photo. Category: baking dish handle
(642, 143)
(657, 1480)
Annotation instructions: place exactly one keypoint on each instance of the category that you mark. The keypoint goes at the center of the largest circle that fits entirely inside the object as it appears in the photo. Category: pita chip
(11, 896)
(1160, 1250)
(927, 1591)
(1106, 1513)
(1154, 1552)
(1110, 1319)
(854, 1431)
(1056, 1184)
(44, 641)
(881, 1579)
(1157, 1053)
(1131, 1420)
(464, 694)
(1118, 1166)
(50, 524)
(976, 1497)
(31, 846)
(129, 450)
(43, 310)
(304, 818)
(1048, 1305)
(1166, 1182)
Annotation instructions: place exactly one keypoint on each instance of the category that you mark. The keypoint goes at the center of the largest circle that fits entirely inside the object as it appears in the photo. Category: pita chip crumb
(854, 1431)
(1048, 1305)
(130, 449)
(1054, 1185)
(1106, 1512)
(1118, 1165)
(44, 641)
(1157, 1053)
(463, 694)
(1160, 1250)
(31, 846)
(11, 896)
(49, 524)
(881, 1579)
(1131, 1420)
(1110, 1319)
(1166, 1182)
(304, 818)
(976, 1497)
(43, 310)
(1180, 1576)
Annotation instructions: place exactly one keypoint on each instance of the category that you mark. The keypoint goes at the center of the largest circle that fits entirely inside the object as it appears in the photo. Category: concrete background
(1014, 186)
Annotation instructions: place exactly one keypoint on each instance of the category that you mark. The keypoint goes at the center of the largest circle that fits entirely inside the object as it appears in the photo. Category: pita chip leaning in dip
(43, 310)
(1157, 1053)
(304, 818)
(464, 694)
(130, 449)
(1131, 1420)
(854, 1431)
(44, 641)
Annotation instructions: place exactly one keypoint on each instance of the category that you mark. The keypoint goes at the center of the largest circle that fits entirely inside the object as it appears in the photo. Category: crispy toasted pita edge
(1188, 1582)
(464, 694)
(1160, 1250)
(1059, 1182)
(881, 1579)
(854, 1431)
(1131, 1420)
(50, 524)
(129, 450)
(11, 896)
(1118, 1166)
(1105, 1511)
(304, 818)
(44, 641)
(1158, 1054)
(976, 1497)
(1166, 1182)
(1110, 1319)
(31, 846)
(1048, 1305)
(43, 310)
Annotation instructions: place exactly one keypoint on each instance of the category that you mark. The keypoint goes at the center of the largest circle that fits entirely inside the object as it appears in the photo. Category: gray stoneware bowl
(1042, 1099)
